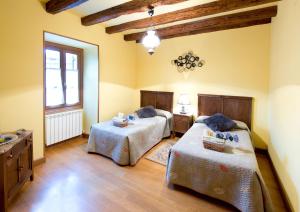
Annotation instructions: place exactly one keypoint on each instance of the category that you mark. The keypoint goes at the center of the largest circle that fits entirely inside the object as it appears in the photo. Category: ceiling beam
(130, 7)
(56, 6)
(218, 28)
(210, 8)
(217, 22)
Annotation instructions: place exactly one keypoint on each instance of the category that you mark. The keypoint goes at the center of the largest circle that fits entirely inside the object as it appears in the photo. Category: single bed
(232, 176)
(127, 145)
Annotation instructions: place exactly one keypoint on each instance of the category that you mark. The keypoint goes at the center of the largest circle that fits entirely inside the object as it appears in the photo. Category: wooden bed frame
(234, 107)
(158, 99)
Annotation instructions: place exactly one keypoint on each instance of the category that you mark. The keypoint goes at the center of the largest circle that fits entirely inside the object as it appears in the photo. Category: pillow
(146, 112)
(219, 122)
(163, 113)
(200, 119)
(241, 125)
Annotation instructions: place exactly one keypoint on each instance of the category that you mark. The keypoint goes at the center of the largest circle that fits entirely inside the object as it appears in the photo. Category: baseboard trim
(39, 161)
(85, 135)
(262, 151)
(283, 193)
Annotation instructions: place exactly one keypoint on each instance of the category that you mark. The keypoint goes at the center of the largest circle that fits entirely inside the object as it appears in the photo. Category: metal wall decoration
(188, 62)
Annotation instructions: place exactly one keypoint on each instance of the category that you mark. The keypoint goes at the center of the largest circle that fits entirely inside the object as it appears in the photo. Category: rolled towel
(208, 132)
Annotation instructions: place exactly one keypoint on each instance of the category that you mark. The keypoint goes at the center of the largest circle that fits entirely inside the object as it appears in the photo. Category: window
(63, 76)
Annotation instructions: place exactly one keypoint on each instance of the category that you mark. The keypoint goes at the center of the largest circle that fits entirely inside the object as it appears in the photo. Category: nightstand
(182, 122)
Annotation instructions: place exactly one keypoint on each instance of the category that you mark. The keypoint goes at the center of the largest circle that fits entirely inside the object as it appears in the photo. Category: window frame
(63, 49)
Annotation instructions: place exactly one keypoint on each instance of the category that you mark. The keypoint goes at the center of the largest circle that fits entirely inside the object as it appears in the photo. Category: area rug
(160, 154)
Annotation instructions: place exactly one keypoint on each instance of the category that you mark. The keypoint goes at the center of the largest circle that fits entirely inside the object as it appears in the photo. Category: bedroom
(257, 61)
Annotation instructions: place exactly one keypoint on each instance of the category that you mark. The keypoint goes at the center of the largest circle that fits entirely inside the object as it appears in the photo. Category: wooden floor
(72, 180)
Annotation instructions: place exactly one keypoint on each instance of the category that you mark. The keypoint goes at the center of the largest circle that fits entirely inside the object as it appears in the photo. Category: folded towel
(214, 140)
(119, 120)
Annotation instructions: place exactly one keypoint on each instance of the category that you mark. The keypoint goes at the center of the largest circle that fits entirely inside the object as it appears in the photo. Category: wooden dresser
(15, 167)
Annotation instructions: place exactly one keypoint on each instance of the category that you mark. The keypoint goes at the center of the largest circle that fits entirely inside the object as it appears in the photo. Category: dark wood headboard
(158, 99)
(235, 107)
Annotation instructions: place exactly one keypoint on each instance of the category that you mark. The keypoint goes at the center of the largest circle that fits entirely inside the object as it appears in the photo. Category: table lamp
(183, 101)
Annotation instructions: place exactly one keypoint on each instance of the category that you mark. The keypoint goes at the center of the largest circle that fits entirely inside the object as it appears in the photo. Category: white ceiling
(93, 6)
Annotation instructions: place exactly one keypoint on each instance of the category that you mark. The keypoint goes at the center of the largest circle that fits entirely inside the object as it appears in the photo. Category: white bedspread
(232, 176)
(126, 145)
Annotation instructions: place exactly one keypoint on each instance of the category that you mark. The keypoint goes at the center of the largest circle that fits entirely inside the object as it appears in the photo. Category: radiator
(62, 126)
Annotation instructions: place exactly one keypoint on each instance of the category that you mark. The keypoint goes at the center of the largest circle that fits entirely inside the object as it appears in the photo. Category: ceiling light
(151, 40)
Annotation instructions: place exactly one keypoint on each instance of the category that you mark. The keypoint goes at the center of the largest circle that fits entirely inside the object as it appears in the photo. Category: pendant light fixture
(151, 40)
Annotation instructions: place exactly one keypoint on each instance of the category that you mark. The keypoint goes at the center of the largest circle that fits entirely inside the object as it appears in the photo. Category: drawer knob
(10, 156)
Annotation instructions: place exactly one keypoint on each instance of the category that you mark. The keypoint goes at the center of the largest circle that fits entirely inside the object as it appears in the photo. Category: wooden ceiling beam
(130, 7)
(210, 8)
(218, 28)
(56, 6)
(203, 25)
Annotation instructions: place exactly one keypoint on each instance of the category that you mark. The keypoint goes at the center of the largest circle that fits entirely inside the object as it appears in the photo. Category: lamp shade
(184, 99)
(151, 41)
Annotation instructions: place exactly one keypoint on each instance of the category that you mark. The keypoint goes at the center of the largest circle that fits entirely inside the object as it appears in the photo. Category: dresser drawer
(17, 149)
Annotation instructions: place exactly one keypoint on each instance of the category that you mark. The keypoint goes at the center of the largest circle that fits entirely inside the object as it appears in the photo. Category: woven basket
(214, 146)
(120, 124)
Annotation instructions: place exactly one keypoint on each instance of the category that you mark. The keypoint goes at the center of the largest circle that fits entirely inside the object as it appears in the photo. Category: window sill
(62, 109)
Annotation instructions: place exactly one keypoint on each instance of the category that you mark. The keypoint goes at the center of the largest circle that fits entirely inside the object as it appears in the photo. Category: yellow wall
(21, 65)
(237, 63)
(285, 97)
(90, 88)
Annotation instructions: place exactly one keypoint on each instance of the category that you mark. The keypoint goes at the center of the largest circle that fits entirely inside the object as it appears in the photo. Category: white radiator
(62, 126)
